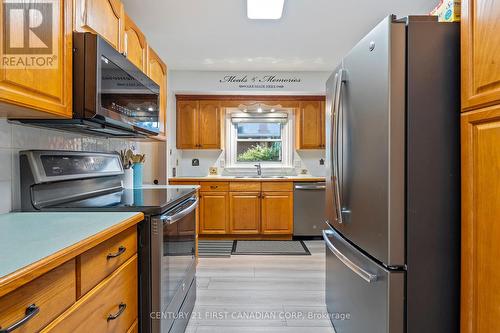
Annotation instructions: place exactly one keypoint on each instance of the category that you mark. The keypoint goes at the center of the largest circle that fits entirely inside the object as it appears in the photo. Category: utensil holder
(138, 168)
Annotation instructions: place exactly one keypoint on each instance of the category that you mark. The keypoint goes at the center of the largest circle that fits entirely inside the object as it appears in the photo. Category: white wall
(221, 83)
(14, 138)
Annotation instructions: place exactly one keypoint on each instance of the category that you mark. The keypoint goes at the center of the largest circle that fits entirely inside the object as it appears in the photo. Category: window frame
(286, 145)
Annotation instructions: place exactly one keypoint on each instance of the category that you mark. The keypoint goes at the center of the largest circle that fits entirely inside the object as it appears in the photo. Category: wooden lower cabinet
(110, 307)
(134, 328)
(480, 294)
(102, 260)
(277, 212)
(94, 291)
(52, 293)
(244, 213)
(214, 213)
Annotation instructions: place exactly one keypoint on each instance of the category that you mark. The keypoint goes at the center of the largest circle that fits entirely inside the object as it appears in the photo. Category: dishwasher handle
(309, 187)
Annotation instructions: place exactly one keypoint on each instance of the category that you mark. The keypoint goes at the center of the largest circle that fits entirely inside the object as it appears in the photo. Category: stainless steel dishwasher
(308, 208)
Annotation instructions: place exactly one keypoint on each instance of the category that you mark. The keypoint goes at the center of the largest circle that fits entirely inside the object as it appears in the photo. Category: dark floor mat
(291, 247)
(215, 248)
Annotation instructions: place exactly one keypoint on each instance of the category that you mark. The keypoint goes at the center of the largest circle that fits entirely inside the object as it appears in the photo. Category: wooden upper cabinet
(209, 125)
(187, 124)
(480, 53)
(198, 124)
(40, 92)
(277, 212)
(134, 44)
(309, 126)
(214, 213)
(323, 124)
(480, 295)
(157, 71)
(244, 216)
(103, 17)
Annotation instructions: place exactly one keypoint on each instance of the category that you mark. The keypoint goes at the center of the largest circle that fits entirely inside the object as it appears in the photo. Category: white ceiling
(216, 34)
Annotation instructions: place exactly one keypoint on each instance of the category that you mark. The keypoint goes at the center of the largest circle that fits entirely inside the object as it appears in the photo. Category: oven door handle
(171, 219)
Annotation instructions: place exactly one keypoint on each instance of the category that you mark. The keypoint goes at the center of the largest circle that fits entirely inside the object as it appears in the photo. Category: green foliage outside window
(261, 153)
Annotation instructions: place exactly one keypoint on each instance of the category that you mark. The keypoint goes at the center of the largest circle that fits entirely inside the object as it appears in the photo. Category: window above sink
(263, 137)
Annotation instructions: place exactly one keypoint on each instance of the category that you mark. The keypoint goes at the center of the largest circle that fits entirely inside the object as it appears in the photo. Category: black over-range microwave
(111, 96)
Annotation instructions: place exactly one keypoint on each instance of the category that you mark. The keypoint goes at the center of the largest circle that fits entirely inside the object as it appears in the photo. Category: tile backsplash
(306, 159)
(14, 138)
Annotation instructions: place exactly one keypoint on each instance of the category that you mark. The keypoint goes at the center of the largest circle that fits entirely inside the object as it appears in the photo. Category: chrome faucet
(259, 169)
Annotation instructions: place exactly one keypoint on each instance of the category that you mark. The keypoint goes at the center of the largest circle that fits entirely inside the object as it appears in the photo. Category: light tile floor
(282, 294)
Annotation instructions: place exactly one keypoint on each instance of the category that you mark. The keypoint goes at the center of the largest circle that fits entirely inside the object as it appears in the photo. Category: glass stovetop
(147, 200)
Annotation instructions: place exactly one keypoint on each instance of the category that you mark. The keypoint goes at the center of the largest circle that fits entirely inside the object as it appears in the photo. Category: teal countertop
(26, 238)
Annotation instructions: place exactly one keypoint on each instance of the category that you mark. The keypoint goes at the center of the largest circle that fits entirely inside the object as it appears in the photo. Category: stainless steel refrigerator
(393, 187)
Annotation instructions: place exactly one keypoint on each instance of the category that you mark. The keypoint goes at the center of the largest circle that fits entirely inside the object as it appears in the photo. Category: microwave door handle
(171, 219)
(335, 147)
(362, 273)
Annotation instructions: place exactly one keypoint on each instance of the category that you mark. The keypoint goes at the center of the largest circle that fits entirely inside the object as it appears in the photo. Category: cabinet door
(323, 125)
(33, 91)
(310, 120)
(244, 213)
(187, 124)
(480, 312)
(209, 125)
(103, 17)
(480, 53)
(214, 213)
(277, 213)
(157, 71)
(134, 44)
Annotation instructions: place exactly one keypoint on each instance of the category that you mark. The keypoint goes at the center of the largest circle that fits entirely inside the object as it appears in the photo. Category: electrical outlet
(321, 162)
(297, 164)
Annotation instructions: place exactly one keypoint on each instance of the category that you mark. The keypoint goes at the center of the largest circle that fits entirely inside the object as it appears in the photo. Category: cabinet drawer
(277, 186)
(182, 182)
(244, 186)
(114, 297)
(214, 186)
(52, 293)
(102, 260)
(134, 328)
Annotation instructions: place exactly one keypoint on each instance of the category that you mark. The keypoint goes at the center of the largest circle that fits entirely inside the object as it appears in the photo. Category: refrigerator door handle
(335, 145)
(367, 276)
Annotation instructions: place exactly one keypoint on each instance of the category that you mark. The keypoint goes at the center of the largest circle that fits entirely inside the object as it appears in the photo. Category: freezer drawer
(361, 295)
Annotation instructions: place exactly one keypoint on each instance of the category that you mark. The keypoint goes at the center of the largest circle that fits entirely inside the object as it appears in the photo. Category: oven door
(361, 295)
(174, 269)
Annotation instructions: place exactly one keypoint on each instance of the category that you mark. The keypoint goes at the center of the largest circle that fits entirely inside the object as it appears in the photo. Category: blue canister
(137, 174)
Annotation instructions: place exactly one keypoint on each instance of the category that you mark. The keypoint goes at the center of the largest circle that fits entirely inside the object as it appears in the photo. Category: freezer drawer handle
(368, 277)
(171, 219)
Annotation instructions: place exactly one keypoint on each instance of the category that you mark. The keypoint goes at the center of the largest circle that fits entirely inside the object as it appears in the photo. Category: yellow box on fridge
(447, 11)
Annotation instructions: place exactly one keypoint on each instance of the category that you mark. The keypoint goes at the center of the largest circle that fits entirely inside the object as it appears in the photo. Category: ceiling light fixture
(265, 9)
